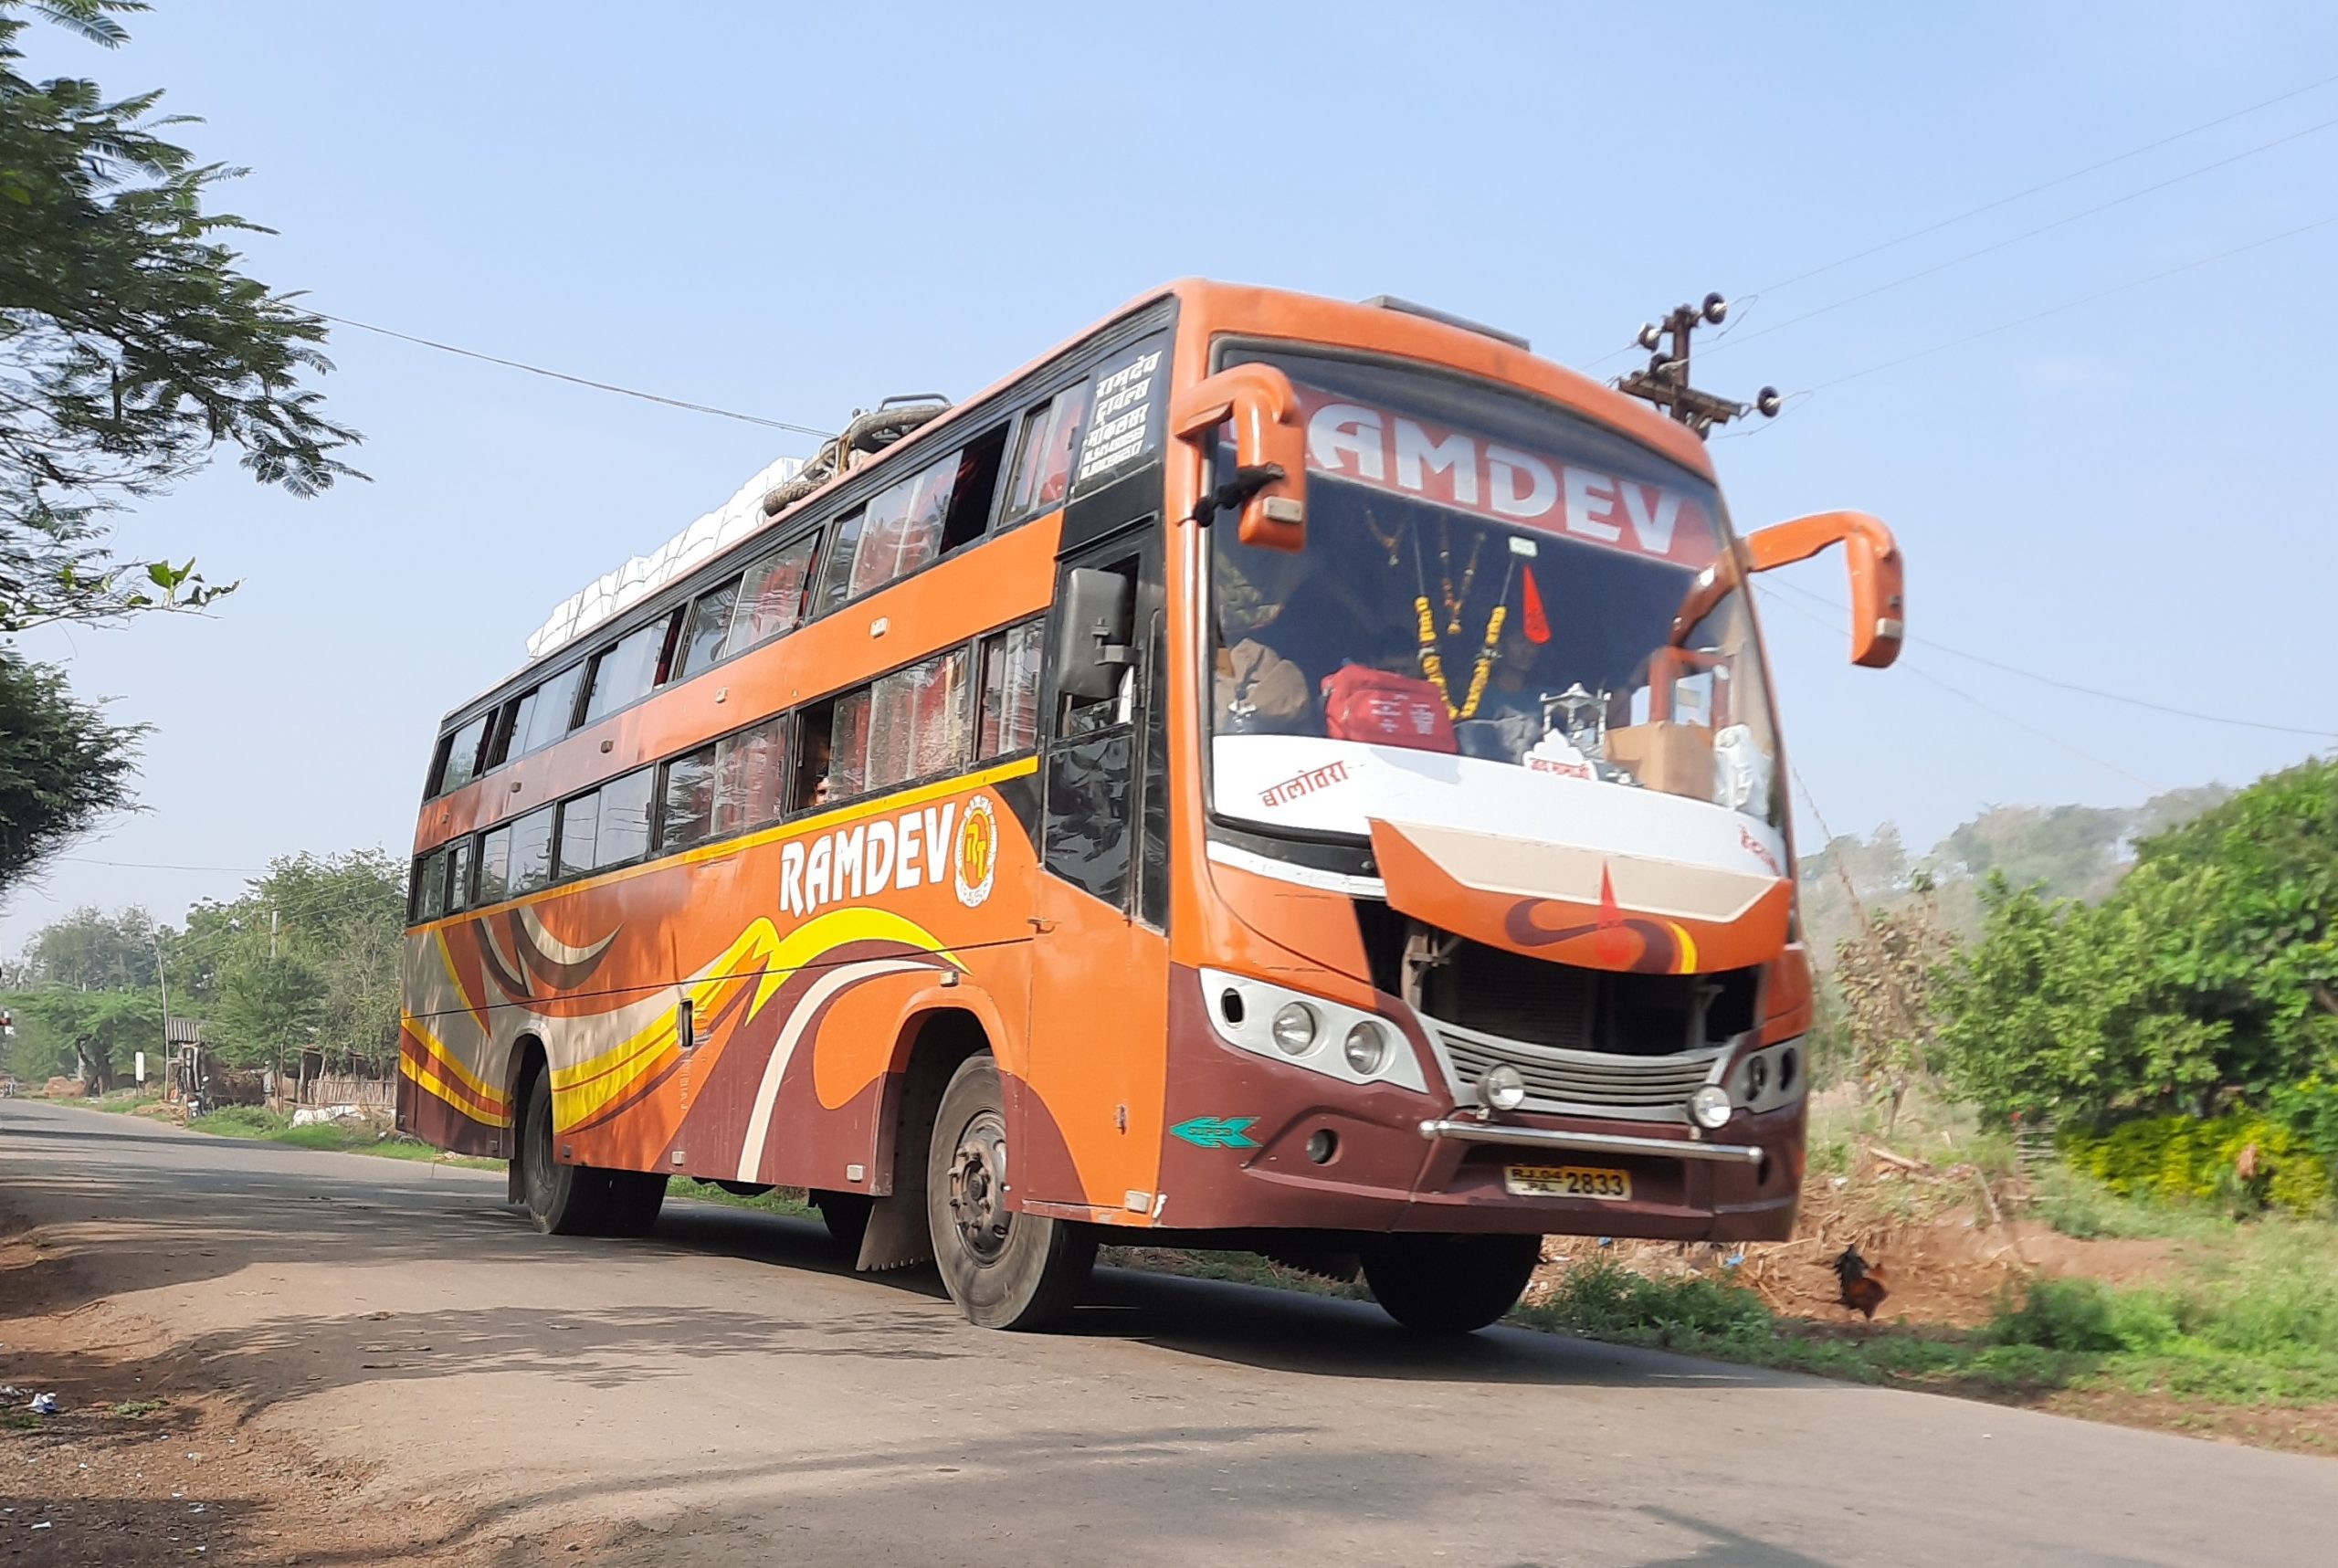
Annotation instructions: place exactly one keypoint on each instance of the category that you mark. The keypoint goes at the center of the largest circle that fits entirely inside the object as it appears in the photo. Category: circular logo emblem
(975, 866)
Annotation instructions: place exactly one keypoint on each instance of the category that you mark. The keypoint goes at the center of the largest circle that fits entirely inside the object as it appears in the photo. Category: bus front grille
(1583, 1083)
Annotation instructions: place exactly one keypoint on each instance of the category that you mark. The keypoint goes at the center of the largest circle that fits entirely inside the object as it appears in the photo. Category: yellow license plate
(1569, 1182)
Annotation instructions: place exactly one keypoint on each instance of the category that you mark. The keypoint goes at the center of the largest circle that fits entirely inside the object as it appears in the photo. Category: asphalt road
(728, 1386)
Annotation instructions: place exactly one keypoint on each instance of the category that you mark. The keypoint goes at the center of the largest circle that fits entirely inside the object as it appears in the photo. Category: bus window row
(928, 722)
(948, 503)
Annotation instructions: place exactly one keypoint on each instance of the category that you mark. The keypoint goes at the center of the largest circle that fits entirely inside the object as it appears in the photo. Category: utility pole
(1665, 382)
(163, 979)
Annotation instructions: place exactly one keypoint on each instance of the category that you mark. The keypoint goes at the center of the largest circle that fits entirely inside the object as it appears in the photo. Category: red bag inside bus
(1385, 709)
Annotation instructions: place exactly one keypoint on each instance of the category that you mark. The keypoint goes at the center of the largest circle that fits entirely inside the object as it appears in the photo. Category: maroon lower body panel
(1324, 1154)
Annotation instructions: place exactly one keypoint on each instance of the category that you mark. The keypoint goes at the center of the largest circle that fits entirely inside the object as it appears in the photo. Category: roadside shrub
(1604, 1301)
(2191, 1159)
(2088, 1316)
(242, 1121)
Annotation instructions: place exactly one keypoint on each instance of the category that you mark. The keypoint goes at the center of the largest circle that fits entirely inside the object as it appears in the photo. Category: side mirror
(1879, 607)
(1270, 480)
(1092, 616)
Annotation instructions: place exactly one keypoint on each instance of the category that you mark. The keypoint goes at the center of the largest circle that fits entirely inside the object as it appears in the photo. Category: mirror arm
(1877, 627)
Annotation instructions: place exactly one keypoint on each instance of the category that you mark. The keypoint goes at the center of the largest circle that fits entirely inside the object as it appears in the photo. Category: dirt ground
(151, 1458)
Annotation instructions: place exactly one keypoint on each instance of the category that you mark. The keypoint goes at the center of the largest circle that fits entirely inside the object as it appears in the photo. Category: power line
(578, 380)
(2100, 164)
(2007, 200)
(1995, 246)
(1994, 712)
(2074, 304)
(157, 866)
(2061, 684)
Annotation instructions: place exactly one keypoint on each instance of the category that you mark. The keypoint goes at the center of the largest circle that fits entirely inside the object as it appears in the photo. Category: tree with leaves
(130, 344)
(2209, 974)
(62, 765)
(130, 347)
(307, 959)
(1884, 978)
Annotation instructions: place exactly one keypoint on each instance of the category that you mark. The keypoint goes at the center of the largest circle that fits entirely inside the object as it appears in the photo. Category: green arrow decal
(1216, 1131)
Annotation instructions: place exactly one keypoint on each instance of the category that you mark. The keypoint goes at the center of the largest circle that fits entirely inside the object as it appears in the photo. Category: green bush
(2088, 1316)
(242, 1121)
(2189, 1159)
(1604, 1301)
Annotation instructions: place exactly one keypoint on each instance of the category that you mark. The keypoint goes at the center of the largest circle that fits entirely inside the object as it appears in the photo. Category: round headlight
(1711, 1106)
(1294, 1029)
(1501, 1087)
(1367, 1048)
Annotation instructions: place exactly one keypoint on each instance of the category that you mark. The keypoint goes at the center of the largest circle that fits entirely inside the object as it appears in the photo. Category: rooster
(1864, 1286)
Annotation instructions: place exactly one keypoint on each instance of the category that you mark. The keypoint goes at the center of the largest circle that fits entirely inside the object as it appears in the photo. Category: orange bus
(1272, 774)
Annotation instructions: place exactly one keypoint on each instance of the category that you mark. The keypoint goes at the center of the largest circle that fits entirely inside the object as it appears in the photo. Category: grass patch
(789, 1201)
(2083, 1208)
(131, 1408)
(20, 1421)
(333, 1137)
(2265, 1333)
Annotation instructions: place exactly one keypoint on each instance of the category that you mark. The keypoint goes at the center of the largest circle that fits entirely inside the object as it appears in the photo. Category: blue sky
(796, 214)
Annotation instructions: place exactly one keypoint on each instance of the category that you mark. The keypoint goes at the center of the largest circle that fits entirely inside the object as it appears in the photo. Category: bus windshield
(1489, 596)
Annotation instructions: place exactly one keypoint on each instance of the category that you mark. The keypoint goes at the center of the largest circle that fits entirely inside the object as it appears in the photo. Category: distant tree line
(305, 961)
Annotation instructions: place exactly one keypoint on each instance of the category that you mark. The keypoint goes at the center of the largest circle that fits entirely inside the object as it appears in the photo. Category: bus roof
(1211, 309)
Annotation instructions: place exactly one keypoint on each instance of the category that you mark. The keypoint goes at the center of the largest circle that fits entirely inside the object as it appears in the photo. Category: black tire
(562, 1200)
(846, 1216)
(580, 1200)
(1449, 1284)
(1006, 1271)
(634, 1199)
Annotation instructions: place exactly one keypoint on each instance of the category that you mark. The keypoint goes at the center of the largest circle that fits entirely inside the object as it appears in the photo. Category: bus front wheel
(1004, 1270)
(580, 1200)
(1449, 1284)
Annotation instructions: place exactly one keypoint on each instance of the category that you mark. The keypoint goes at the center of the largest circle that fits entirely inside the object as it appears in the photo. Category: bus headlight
(1711, 1106)
(1503, 1087)
(1367, 1048)
(1294, 1028)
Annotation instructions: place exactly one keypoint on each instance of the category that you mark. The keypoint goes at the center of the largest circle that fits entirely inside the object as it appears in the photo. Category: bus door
(1099, 961)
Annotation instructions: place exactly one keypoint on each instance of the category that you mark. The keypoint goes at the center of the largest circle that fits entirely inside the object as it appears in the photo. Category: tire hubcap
(978, 1188)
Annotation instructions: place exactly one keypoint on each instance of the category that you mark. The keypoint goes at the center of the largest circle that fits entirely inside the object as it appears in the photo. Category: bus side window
(1010, 699)
(495, 865)
(814, 728)
(627, 669)
(748, 770)
(459, 874)
(705, 631)
(554, 710)
(975, 490)
(771, 597)
(835, 571)
(1042, 455)
(625, 818)
(687, 816)
(464, 748)
(511, 724)
(430, 885)
(531, 851)
(580, 832)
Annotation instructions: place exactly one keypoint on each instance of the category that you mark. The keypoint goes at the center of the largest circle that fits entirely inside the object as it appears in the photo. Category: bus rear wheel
(1004, 1270)
(1449, 1284)
(579, 1200)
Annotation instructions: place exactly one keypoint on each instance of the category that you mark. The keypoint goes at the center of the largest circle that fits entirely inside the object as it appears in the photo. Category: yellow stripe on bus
(446, 1058)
